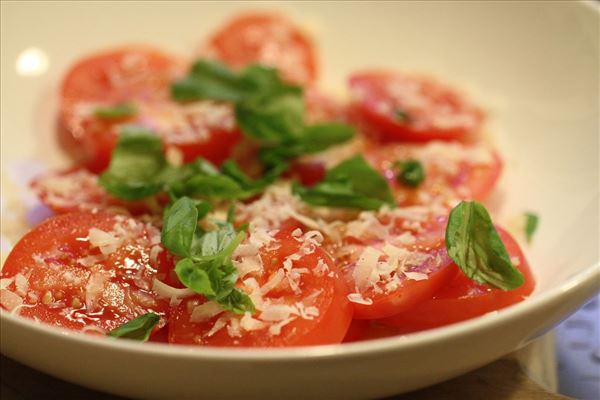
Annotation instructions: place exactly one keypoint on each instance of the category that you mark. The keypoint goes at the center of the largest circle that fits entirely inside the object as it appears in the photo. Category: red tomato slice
(453, 170)
(140, 77)
(308, 309)
(362, 329)
(265, 38)
(397, 106)
(464, 299)
(391, 263)
(78, 190)
(85, 271)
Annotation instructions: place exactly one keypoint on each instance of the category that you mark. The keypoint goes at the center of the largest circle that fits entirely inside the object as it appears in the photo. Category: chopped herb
(475, 246)
(411, 172)
(402, 116)
(138, 328)
(116, 112)
(531, 223)
(206, 267)
(267, 109)
(135, 166)
(351, 184)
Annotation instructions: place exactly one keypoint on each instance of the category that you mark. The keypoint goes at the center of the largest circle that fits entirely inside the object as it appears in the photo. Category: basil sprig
(475, 246)
(206, 265)
(138, 328)
(138, 169)
(351, 184)
(267, 109)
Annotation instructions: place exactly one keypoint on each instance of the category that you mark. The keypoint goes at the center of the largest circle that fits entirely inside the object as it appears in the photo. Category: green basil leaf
(252, 186)
(319, 137)
(138, 328)
(219, 187)
(116, 112)
(353, 184)
(193, 276)
(209, 80)
(531, 223)
(214, 242)
(475, 246)
(179, 226)
(272, 117)
(136, 163)
(238, 302)
(411, 172)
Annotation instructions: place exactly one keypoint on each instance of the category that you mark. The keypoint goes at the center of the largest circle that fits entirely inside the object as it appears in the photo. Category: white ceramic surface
(535, 65)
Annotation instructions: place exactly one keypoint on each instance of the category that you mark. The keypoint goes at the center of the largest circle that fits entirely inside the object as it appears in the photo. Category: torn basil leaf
(138, 328)
(475, 246)
(136, 163)
(531, 223)
(351, 184)
(116, 112)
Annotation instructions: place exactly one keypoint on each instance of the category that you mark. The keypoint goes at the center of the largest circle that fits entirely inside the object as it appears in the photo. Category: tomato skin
(328, 327)
(62, 291)
(139, 76)
(265, 38)
(464, 299)
(434, 111)
(309, 173)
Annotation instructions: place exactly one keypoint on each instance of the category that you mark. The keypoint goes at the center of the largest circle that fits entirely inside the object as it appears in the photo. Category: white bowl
(533, 64)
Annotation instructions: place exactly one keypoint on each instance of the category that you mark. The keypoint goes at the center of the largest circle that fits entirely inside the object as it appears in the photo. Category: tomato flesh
(265, 38)
(64, 279)
(401, 107)
(325, 293)
(464, 299)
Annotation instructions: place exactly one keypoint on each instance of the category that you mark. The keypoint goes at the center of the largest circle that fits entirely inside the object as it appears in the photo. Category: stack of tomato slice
(69, 272)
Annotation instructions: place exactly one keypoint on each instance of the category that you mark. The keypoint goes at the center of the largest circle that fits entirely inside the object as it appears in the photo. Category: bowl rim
(588, 277)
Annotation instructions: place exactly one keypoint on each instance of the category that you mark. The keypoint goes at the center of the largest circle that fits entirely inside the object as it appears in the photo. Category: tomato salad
(227, 201)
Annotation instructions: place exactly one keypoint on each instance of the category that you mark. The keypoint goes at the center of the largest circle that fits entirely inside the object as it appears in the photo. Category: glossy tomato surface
(464, 299)
(85, 270)
(395, 106)
(265, 38)
(318, 295)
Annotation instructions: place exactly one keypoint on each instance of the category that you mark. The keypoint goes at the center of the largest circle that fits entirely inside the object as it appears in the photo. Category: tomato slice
(305, 305)
(77, 189)
(397, 106)
(453, 170)
(362, 329)
(464, 299)
(392, 261)
(140, 77)
(85, 271)
(265, 38)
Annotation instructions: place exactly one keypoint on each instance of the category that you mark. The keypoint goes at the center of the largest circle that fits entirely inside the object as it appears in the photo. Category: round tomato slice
(397, 106)
(464, 299)
(393, 260)
(453, 170)
(85, 271)
(362, 329)
(300, 299)
(140, 79)
(78, 189)
(265, 38)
